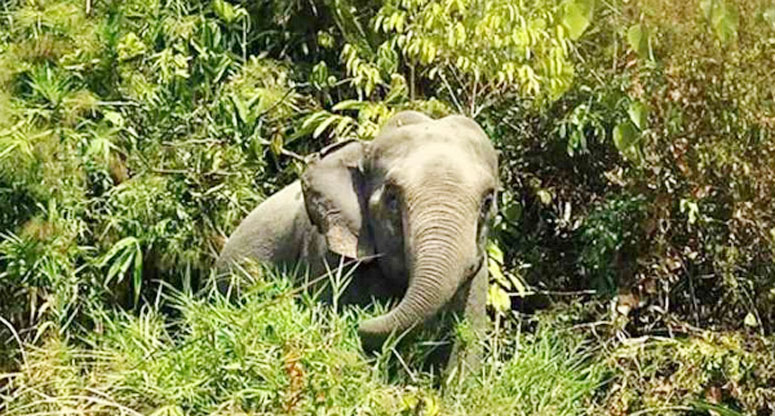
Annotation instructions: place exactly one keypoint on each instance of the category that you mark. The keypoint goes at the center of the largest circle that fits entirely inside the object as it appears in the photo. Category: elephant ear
(333, 196)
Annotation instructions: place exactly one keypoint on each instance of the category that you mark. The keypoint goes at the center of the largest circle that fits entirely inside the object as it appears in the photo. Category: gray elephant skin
(413, 205)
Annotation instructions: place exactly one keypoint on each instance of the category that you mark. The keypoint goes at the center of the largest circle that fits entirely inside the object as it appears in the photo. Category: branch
(451, 93)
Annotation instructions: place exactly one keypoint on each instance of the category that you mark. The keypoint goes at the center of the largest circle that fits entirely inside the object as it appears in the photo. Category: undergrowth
(272, 351)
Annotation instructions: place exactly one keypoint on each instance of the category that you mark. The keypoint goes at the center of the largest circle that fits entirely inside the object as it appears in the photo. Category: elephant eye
(487, 204)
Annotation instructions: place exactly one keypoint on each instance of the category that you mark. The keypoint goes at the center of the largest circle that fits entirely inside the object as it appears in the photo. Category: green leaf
(130, 46)
(137, 273)
(691, 208)
(498, 298)
(638, 113)
(242, 110)
(723, 18)
(276, 144)
(494, 252)
(577, 16)
(769, 16)
(348, 105)
(715, 409)
(726, 24)
(544, 196)
(119, 246)
(625, 136)
(320, 75)
(323, 126)
(706, 6)
(638, 39)
(750, 320)
(343, 124)
(116, 119)
(513, 212)
(168, 410)
(496, 272)
(224, 10)
(518, 284)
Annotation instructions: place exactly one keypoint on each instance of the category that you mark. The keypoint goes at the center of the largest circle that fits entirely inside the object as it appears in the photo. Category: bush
(666, 108)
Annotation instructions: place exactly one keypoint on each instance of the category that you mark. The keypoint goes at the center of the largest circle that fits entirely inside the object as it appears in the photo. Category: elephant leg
(470, 303)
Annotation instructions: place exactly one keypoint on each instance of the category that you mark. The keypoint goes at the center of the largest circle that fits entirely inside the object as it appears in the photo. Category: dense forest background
(632, 258)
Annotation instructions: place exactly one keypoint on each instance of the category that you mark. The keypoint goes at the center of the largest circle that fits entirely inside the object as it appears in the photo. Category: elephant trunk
(441, 231)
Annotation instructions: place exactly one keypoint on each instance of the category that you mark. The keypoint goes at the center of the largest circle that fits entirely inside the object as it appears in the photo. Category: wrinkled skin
(414, 205)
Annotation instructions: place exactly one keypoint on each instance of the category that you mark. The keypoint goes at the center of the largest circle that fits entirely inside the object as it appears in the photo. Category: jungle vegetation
(632, 258)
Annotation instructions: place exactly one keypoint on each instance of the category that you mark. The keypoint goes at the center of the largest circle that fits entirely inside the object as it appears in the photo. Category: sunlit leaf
(276, 144)
(348, 105)
(638, 113)
(431, 406)
(726, 23)
(242, 110)
(498, 298)
(723, 18)
(690, 208)
(769, 16)
(323, 126)
(494, 252)
(577, 16)
(224, 10)
(518, 284)
(638, 40)
(544, 196)
(750, 320)
(130, 46)
(115, 118)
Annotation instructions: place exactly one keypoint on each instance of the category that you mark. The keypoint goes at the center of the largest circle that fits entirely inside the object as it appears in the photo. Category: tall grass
(272, 351)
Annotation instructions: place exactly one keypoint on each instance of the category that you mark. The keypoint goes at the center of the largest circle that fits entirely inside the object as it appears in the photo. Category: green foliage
(722, 17)
(610, 236)
(268, 354)
(134, 139)
(637, 157)
(577, 15)
(638, 40)
(707, 372)
(483, 52)
(669, 107)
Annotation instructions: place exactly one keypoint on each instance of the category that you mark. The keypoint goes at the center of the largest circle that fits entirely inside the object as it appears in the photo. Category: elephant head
(419, 197)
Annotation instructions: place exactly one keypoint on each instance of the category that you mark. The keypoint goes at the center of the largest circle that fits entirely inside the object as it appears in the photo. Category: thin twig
(119, 103)
(474, 93)
(169, 171)
(294, 155)
(569, 293)
(411, 82)
(451, 93)
(695, 307)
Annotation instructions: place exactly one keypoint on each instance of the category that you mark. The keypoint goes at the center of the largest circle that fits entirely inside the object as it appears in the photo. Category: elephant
(413, 206)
